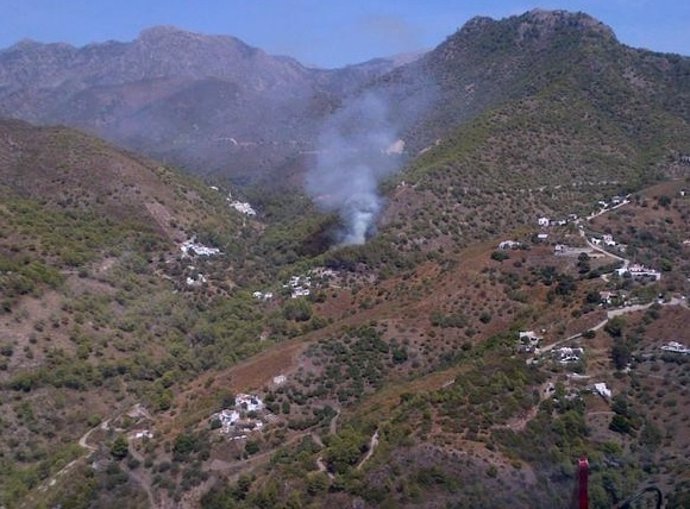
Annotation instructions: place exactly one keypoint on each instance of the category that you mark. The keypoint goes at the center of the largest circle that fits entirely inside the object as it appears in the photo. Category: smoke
(358, 147)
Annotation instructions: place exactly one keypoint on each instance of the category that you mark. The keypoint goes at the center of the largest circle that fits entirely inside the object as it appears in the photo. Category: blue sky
(327, 33)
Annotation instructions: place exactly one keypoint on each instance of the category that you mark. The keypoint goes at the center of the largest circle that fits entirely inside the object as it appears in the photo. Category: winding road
(613, 312)
(372, 446)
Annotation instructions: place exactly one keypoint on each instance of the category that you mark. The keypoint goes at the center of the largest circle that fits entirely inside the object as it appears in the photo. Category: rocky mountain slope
(488, 63)
(542, 112)
(101, 253)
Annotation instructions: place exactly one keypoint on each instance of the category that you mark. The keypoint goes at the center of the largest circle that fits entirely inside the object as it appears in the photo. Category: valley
(512, 296)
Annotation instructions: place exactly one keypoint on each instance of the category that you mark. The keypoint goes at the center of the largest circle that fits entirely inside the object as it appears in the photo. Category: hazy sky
(327, 33)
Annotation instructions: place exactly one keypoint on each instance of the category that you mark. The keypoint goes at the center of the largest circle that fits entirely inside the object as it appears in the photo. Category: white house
(248, 402)
(675, 347)
(297, 281)
(566, 354)
(543, 221)
(241, 206)
(608, 297)
(198, 249)
(509, 244)
(228, 418)
(299, 286)
(637, 270)
(603, 390)
(197, 280)
(263, 296)
(528, 341)
(529, 335)
(300, 292)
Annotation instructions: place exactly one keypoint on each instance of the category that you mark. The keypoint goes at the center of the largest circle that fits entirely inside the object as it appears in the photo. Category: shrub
(615, 326)
(184, 445)
(620, 354)
(500, 256)
(298, 310)
(119, 448)
(620, 424)
(251, 447)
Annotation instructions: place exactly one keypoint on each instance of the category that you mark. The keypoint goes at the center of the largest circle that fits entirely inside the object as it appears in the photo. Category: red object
(582, 475)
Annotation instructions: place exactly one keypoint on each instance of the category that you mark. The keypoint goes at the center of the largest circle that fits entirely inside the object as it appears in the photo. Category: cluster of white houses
(545, 222)
(606, 240)
(636, 270)
(242, 207)
(614, 202)
(243, 418)
(192, 247)
(300, 286)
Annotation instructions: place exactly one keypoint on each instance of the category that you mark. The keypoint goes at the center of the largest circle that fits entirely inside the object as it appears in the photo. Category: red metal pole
(583, 474)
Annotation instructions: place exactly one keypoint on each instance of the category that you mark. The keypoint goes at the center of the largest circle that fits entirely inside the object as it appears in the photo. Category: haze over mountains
(215, 105)
(207, 102)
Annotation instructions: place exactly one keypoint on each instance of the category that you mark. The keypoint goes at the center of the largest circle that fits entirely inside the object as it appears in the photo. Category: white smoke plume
(354, 155)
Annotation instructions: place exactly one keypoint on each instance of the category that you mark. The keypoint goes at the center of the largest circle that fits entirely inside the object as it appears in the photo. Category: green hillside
(159, 347)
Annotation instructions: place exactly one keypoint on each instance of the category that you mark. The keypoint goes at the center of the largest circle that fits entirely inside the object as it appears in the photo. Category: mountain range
(215, 105)
(207, 102)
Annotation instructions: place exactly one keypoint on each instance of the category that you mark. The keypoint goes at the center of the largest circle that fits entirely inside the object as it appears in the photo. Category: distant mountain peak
(29, 45)
(26, 43)
(550, 19)
(477, 23)
(168, 37)
(160, 30)
(542, 22)
(167, 32)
